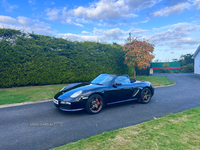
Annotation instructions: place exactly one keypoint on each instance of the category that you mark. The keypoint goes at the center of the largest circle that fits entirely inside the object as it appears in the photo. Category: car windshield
(103, 79)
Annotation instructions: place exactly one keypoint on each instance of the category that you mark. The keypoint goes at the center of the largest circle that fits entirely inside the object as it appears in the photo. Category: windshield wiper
(97, 83)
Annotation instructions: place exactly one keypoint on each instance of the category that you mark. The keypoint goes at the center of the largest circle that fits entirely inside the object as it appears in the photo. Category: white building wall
(197, 64)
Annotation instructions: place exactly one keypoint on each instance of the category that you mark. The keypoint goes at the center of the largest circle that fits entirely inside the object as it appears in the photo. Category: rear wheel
(145, 96)
(94, 104)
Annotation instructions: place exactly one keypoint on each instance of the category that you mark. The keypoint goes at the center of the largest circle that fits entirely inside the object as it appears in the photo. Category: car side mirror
(115, 85)
(118, 84)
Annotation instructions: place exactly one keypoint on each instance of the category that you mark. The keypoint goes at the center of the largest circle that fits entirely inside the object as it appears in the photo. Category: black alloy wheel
(145, 96)
(94, 104)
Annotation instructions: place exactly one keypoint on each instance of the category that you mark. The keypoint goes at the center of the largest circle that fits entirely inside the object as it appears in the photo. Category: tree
(175, 60)
(157, 60)
(138, 54)
(187, 63)
(186, 59)
(189, 68)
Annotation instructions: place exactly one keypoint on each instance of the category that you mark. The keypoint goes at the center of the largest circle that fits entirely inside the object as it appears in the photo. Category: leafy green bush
(31, 59)
(176, 71)
(164, 71)
(189, 68)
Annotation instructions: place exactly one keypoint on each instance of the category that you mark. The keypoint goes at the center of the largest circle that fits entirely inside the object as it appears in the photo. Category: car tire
(145, 96)
(94, 104)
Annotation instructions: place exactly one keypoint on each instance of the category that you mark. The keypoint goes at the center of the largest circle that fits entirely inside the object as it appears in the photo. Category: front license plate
(55, 101)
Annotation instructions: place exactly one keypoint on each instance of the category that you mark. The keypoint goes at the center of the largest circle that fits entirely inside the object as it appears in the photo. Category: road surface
(42, 126)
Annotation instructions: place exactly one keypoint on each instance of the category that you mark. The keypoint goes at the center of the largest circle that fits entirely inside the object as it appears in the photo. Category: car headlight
(76, 94)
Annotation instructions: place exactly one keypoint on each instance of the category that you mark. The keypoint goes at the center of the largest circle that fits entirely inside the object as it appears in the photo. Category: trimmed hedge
(31, 59)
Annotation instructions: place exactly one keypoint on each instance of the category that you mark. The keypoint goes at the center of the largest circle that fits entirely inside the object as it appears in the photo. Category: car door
(114, 93)
(121, 90)
(127, 91)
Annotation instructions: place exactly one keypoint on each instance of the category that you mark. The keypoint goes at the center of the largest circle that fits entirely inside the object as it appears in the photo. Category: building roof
(196, 52)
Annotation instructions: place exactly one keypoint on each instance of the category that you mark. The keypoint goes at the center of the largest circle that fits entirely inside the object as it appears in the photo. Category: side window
(199, 62)
(122, 80)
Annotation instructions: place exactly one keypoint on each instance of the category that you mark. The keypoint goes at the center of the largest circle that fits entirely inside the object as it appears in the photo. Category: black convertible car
(103, 90)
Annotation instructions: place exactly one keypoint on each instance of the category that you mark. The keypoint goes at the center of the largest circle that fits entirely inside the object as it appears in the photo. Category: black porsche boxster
(104, 90)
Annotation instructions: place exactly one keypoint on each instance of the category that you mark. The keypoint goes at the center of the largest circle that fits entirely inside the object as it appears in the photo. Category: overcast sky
(173, 26)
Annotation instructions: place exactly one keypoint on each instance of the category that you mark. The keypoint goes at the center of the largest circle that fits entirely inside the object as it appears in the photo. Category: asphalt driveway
(30, 126)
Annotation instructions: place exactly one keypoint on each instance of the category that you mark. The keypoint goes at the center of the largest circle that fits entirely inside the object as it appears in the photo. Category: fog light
(68, 103)
(63, 102)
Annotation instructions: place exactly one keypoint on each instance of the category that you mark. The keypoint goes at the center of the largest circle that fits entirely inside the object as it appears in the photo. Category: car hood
(72, 88)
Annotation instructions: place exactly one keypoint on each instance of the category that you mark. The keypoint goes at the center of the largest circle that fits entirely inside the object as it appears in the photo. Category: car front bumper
(69, 106)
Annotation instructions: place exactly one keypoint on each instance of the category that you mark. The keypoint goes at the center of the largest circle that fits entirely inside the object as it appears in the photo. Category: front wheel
(94, 104)
(145, 96)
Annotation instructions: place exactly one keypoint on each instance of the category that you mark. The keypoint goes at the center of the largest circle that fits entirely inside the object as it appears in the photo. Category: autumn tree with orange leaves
(138, 54)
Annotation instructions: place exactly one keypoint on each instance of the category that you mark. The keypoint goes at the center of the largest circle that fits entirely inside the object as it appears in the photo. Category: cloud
(61, 15)
(70, 21)
(85, 32)
(32, 2)
(75, 37)
(25, 23)
(113, 33)
(8, 7)
(7, 19)
(98, 34)
(104, 9)
(141, 4)
(145, 21)
(188, 41)
(197, 4)
(171, 10)
(174, 35)
(82, 20)
(54, 14)
(136, 30)
(49, 3)
(109, 23)
(117, 33)
(111, 9)
(111, 12)
(172, 3)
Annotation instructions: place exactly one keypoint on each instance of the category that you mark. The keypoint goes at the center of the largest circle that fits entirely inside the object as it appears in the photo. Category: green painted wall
(173, 66)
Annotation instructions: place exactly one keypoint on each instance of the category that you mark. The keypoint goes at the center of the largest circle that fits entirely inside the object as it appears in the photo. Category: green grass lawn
(156, 80)
(179, 131)
(34, 93)
(29, 93)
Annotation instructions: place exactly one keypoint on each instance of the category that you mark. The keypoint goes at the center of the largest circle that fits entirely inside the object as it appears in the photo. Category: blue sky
(173, 26)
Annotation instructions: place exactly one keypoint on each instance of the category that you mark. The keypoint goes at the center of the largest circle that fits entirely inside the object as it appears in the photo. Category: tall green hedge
(31, 59)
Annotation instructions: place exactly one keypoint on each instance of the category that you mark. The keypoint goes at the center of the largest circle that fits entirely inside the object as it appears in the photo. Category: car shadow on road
(123, 105)
(70, 113)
